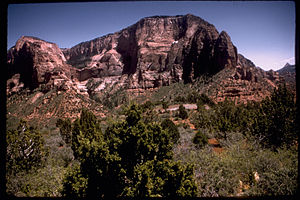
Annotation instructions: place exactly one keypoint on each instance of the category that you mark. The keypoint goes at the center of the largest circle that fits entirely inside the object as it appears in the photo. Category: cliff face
(244, 83)
(33, 62)
(288, 73)
(153, 52)
(156, 51)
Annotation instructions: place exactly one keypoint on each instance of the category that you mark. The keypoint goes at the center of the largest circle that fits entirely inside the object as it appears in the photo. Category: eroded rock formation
(156, 51)
(153, 52)
(33, 62)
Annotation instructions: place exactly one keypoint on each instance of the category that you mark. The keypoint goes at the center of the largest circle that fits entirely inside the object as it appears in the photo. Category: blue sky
(262, 31)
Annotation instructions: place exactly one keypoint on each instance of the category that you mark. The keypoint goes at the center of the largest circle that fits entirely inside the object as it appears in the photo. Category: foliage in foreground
(200, 139)
(25, 148)
(26, 163)
(182, 113)
(130, 159)
(275, 123)
(232, 173)
(172, 129)
(272, 122)
(258, 139)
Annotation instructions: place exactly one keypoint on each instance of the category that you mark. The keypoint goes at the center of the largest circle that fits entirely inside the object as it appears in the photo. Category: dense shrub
(200, 139)
(275, 123)
(150, 116)
(204, 99)
(225, 117)
(138, 157)
(182, 113)
(222, 175)
(25, 148)
(204, 118)
(147, 105)
(112, 97)
(65, 127)
(172, 129)
(180, 99)
(164, 105)
(192, 97)
(118, 162)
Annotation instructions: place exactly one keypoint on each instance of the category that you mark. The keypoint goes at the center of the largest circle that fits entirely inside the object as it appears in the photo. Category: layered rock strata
(153, 52)
(33, 62)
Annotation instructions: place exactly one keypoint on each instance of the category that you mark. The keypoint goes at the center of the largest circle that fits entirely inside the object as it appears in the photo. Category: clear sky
(263, 32)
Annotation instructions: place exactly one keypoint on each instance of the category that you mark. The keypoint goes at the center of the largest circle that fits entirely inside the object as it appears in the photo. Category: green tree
(182, 112)
(200, 139)
(275, 123)
(25, 154)
(97, 165)
(164, 178)
(25, 148)
(65, 127)
(109, 163)
(75, 184)
(172, 129)
(85, 127)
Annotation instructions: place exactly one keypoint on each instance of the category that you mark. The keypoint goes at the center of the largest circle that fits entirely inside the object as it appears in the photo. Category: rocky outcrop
(155, 51)
(243, 83)
(287, 68)
(225, 52)
(33, 62)
(288, 73)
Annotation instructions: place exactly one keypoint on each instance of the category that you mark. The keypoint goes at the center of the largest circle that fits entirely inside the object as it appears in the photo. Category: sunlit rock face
(156, 51)
(32, 62)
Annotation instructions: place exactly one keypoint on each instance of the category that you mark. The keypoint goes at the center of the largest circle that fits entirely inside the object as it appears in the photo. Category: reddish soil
(185, 121)
(213, 141)
(218, 149)
(216, 145)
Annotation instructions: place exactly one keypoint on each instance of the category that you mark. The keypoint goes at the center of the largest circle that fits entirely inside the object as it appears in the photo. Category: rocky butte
(156, 51)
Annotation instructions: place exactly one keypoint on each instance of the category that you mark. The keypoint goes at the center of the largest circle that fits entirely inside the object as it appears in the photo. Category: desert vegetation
(145, 149)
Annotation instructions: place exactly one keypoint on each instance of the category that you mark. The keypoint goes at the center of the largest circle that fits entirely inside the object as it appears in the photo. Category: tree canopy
(25, 148)
(275, 123)
(132, 158)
